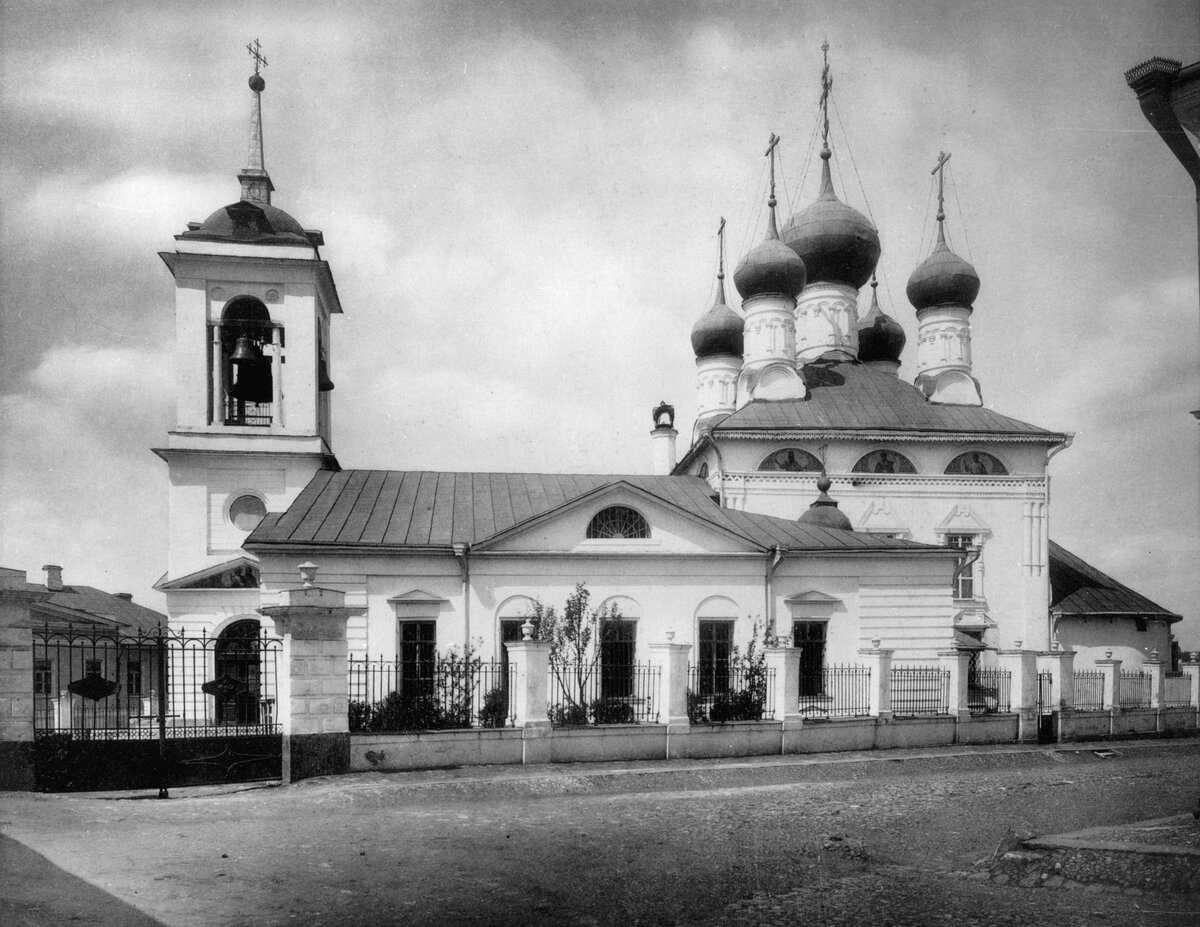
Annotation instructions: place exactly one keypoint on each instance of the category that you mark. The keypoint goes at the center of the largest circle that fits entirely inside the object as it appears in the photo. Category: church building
(822, 496)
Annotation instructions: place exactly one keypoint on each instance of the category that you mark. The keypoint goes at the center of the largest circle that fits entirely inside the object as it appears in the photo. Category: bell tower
(253, 303)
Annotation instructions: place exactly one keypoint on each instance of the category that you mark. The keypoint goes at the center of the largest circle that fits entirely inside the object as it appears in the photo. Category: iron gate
(1045, 709)
(154, 708)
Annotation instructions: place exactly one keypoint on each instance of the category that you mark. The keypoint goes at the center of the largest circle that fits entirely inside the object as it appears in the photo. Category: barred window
(618, 521)
(43, 678)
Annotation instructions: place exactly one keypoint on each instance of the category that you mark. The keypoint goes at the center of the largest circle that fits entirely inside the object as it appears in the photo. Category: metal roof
(1078, 588)
(857, 397)
(424, 509)
(82, 605)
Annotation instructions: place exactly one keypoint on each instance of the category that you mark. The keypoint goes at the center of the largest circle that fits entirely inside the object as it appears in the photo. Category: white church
(822, 495)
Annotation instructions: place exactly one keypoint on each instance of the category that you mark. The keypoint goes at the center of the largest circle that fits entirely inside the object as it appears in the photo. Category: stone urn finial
(670, 636)
(875, 642)
(308, 574)
(527, 630)
(1153, 656)
(1017, 643)
(1108, 654)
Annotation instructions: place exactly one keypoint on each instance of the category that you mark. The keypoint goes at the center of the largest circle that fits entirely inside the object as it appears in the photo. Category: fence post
(1112, 681)
(1023, 692)
(879, 662)
(1061, 666)
(958, 664)
(16, 682)
(672, 660)
(785, 662)
(1156, 670)
(313, 708)
(530, 661)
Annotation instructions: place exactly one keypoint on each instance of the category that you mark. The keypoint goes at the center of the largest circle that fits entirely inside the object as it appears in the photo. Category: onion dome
(824, 512)
(880, 337)
(771, 266)
(943, 279)
(720, 330)
(837, 243)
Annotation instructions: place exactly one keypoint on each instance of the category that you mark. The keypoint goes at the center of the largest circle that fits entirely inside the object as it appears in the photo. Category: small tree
(575, 636)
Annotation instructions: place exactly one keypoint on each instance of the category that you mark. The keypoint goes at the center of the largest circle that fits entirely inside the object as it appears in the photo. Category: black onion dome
(261, 223)
(720, 330)
(770, 267)
(824, 512)
(880, 337)
(837, 243)
(943, 279)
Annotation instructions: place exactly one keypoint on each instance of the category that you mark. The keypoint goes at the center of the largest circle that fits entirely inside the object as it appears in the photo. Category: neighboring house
(82, 676)
(1094, 614)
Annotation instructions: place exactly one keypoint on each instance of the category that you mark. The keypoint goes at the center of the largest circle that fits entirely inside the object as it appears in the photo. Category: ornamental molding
(959, 437)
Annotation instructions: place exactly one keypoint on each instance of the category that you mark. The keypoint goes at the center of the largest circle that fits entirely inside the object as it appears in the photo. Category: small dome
(261, 223)
(770, 267)
(943, 279)
(824, 512)
(720, 330)
(880, 337)
(837, 243)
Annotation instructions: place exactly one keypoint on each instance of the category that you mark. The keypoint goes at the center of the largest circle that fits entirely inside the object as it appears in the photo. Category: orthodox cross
(721, 249)
(941, 175)
(826, 88)
(772, 144)
(255, 51)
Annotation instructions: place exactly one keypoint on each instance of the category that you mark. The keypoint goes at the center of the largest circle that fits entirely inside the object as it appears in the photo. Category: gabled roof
(239, 573)
(424, 509)
(1078, 588)
(81, 605)
(848, 396)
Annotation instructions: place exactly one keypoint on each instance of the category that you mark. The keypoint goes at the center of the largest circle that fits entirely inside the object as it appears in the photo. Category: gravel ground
(899, 839)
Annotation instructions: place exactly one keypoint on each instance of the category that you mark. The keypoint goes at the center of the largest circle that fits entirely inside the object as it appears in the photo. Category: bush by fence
(613, 694)
(737, 693)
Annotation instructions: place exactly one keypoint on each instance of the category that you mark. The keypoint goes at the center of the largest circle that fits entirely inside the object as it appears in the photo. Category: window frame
(812, 658)
(596, 525)
(416, 659)
(714, 652)
(969, 579)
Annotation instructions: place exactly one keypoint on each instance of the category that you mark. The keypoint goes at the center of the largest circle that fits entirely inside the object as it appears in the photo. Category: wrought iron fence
(920, 690)
(1045, 693)
(989, 691)
(1134, 689)
(734, 694)
(836, 692)
(104, 684)
(1177, 691)
(597, 693)
(445, 693)
(1089, 690)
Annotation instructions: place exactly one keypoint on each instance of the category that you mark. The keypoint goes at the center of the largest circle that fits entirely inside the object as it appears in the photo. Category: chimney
(127, 596)
(53, 577)
(663, 439)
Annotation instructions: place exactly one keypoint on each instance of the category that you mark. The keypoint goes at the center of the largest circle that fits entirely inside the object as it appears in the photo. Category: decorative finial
(826, 87)
(874, 291)
(772, 229)
(721, 251)
(527, 630)
(941, 175)
(308, 574)
(256, 82)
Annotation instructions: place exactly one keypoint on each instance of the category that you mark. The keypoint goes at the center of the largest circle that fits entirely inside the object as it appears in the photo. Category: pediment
(813, 604)
(881, 518)
(240, 573)
(417, 597)
(672, 528)
(962, 520)
(811, 597)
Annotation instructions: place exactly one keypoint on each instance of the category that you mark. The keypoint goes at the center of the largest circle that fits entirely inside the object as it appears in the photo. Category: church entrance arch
(238, 674)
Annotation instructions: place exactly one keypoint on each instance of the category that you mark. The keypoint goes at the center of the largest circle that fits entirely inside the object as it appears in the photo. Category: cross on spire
(826, 88)
(939, 169)
(772, 144)
(721, 250)
(255, 51)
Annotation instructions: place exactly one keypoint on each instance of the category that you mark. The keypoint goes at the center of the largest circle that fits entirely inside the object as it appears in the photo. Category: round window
(246, 512)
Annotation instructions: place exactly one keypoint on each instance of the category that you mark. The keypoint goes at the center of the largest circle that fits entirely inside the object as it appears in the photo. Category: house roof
(1078, 588)
(83, 605)
(848, 396)
(424, 509)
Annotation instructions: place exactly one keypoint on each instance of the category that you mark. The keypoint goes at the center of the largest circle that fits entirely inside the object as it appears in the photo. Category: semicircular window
(793, 460)
(976, 463)
(618, 521)
(884, 462)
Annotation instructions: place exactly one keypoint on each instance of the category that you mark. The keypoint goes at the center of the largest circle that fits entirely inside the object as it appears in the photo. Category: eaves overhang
(324, 274)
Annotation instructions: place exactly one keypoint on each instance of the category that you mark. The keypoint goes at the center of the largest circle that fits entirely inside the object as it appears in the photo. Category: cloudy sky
(520, 203)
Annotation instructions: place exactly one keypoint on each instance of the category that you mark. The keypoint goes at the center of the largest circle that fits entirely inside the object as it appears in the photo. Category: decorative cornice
(843, 434)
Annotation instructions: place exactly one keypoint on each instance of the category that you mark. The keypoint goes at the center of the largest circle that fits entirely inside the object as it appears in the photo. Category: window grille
(618, 521)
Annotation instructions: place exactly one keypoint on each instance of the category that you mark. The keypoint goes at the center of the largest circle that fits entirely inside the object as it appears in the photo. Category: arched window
(245, 368)
(238, 681)
(976, 463)
(884, 462)
(618, 521)
(791, 459)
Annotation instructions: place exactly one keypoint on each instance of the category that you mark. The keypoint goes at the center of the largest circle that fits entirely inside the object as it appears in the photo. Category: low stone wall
(898, 733)
(608, 742)
(831, 736)
(735, 738)
(1177, 719)
(989, 729)
(1088, 725)
(432, 749)
(1134, 721)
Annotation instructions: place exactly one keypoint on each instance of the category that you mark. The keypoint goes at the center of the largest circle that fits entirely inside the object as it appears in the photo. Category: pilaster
(1112, 682)
(1023, 690)
(672, 660)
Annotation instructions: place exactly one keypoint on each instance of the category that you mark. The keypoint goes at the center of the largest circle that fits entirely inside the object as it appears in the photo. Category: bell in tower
(248, 380)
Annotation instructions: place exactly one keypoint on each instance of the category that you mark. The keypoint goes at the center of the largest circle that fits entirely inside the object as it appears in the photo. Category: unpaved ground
(878, 842)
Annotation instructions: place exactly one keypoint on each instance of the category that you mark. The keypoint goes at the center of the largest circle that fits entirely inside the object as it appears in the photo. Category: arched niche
(717, 606)
(976, 463)
(791, 460)
(883, 460)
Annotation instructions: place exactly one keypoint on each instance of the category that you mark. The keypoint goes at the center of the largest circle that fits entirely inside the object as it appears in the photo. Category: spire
(256, 182)
(939, 169)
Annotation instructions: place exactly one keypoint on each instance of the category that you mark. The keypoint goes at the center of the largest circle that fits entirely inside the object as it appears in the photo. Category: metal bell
(246, 351)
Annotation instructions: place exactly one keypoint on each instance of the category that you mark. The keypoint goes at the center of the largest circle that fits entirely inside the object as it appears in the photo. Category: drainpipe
(461, 552)
(776, 555)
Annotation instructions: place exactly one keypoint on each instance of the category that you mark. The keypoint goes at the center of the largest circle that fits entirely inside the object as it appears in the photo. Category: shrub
(612, 711)
(494, 712)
